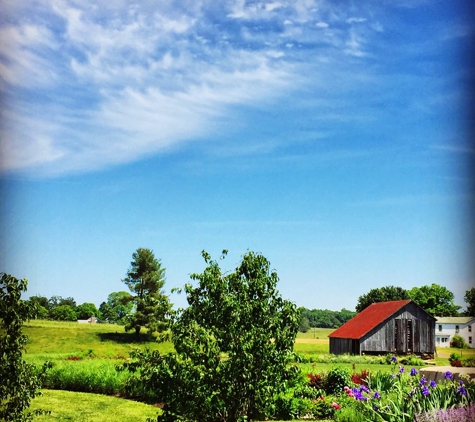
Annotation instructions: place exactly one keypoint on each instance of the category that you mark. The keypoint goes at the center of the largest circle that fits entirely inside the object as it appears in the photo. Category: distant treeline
(323, 318)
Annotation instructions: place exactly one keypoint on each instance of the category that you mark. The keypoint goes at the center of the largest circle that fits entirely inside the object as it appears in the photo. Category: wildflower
(393, 376)
(393, 359)
(413, 372)
(425, 390)
(422, 381)
(401, 369)
(433, 384)
(462, 391)
(376, 408)
(461, 382)
(376, 395)
(364, 388)
(448, 375)
(322, 397)
(335, 405)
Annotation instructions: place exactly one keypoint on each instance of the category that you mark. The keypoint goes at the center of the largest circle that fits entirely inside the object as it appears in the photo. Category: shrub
(458, 342)
(458, 414)
(361, 378)
(317, 380)
(337, 379)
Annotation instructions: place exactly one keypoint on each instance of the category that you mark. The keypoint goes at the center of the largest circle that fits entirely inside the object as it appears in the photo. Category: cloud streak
(90, 87)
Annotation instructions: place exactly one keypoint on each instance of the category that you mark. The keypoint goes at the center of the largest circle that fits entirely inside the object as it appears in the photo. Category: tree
(63, 313)
(40, 300)
(381, 294)
(20, 381)
(145, 279)
(86, 311)
(55, 301)
(118, 307)
(233, 345)
(434, 299)
(469, 299)
(304, 324)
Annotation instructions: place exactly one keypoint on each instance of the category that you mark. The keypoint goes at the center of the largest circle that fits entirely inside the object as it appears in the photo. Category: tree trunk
(137, 331)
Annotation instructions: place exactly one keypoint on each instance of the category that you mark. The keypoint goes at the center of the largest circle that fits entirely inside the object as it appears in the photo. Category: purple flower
(448, 375)
(425, 390)
(462, 391)
(433, 384)
(393, 359)
(401, 369)
(461, 382)
(422, 381)
(393, 376)
(413, 372)
(376, 395)
(364, 388)
(376, 408)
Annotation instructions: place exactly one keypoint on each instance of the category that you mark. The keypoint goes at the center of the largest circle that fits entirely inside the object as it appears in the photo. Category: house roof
(454, 320)
(368, 318)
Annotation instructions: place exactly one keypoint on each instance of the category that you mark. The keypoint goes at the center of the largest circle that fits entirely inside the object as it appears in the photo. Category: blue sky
(331, 136)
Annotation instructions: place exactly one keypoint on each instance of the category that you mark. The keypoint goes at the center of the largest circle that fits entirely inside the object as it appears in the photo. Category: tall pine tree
(145, 279)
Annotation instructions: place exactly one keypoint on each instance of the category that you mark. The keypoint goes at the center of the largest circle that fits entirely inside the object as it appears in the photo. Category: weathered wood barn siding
(407, 330)
(410, 330)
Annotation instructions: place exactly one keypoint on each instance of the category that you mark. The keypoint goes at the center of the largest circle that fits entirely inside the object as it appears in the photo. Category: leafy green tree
(40, 300)
(118, 307)
(434, 299)
(233, 345)
(469, 299)
(56, 301)
(20, 381)
(381, 294)
(63, 313)
(86, 311)
(145, 279)
(304, 324)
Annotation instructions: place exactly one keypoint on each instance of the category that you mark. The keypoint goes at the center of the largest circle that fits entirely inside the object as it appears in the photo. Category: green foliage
(233, 347)
(434, 299)
(118, 308)
(458, 342)
(145, 279)
(337, 379)
(87, 310)
(469, 299)
(408, 394)
(63, 313)
(19, 381)
(56, 301)
(381, 294)
(324, 318)
(304, 324)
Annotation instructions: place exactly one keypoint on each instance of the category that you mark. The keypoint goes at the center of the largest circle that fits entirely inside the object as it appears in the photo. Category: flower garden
(401, 395)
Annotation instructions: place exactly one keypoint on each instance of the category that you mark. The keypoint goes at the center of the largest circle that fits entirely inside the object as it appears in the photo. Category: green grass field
(85, 357)
(84, 407)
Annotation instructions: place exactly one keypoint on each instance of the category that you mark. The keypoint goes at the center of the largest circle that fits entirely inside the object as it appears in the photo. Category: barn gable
(398, 326)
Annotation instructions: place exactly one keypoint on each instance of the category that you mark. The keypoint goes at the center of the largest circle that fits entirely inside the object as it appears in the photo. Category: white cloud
(356, 20)
(321, 25)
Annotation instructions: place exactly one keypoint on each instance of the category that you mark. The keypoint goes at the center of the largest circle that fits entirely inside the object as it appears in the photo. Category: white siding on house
(447, 327)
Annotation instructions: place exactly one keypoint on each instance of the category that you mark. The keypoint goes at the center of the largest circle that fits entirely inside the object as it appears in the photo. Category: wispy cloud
(90, 86)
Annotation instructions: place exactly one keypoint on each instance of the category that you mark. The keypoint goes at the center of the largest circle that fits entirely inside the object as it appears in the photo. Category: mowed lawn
(102, 346)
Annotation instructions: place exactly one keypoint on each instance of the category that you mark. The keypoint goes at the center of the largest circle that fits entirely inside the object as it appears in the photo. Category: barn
(398, 326)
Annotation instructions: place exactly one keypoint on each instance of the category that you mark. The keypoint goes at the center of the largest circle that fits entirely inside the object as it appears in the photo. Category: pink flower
(335, 405)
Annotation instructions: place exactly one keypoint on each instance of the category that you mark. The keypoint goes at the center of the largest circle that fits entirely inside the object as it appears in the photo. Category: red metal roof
(368, 318)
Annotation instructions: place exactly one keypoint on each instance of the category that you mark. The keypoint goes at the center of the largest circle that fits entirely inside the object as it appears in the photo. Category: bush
(317, 380)
(458, 342)
(360, 379)
(337, 380)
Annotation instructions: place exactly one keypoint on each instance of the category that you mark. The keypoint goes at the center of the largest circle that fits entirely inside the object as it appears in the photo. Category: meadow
(85, 357)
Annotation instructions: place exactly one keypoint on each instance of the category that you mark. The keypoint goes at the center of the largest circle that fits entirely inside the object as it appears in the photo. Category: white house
(447, 327)
(92, 320)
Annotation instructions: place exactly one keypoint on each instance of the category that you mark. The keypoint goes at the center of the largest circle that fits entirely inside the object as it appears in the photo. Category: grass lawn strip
(87, 407)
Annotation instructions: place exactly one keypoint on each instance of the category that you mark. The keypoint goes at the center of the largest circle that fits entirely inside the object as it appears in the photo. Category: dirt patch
(312, 340)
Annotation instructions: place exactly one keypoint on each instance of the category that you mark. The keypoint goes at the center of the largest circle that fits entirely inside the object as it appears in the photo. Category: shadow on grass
(126, 338)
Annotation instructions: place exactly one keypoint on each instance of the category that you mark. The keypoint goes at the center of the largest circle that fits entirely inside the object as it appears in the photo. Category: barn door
(400, 338)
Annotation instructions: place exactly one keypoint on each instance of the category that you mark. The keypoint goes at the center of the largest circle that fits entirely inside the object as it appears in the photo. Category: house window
(470, 340)
(457, 329)
(469, 328)
(440, 327)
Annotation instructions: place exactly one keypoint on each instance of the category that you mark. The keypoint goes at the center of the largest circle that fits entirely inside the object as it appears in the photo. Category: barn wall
(394, 335)
(340, 346)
